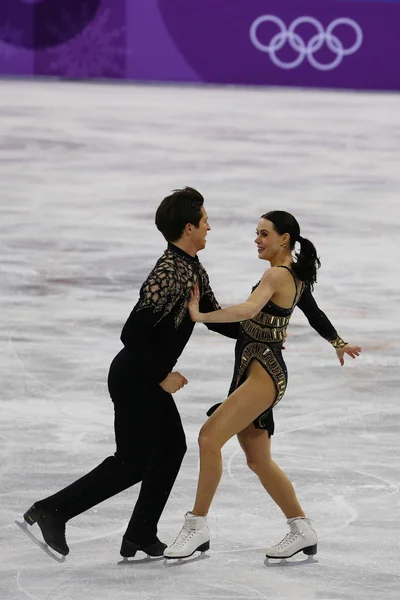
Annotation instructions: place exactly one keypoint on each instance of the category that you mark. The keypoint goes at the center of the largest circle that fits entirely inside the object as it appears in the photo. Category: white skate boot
(193, 536)
(301, 538)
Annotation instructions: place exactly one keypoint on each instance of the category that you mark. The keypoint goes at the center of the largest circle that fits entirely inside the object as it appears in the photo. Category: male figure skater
(150, 441)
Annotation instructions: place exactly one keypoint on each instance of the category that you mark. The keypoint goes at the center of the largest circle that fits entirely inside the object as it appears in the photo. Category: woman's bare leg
(257, 447)
(235, 416)
(254, 396)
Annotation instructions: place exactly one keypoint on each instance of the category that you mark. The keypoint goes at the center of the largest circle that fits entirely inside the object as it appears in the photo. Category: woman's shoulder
(281, 275)
(273, 273)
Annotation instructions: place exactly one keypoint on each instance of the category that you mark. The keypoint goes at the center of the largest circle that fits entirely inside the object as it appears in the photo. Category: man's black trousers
(150, 445)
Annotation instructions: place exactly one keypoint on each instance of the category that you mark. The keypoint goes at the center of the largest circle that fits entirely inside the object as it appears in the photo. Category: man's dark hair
(177, 210)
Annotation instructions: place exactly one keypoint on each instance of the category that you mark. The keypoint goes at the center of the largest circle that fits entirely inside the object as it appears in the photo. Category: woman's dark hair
(177, 210)
(306, 261)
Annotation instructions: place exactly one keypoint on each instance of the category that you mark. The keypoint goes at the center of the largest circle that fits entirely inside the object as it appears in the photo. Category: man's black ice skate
(52, 528)
(129, 548)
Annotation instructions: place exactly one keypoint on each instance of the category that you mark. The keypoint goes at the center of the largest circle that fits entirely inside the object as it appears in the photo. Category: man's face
(199, 233)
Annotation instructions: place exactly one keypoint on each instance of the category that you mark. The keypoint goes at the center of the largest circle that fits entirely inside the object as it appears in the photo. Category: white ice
(82, 170)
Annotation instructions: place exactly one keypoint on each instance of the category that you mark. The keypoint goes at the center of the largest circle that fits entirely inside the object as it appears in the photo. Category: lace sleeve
(157, 298)
(159, 292)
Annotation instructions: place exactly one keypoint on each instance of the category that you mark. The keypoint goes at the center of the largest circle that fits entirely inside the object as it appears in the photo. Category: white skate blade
(24, 527)
(203, 548)
(180, 562)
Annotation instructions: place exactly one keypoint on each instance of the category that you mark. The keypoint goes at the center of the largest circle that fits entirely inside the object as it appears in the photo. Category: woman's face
(268, 241)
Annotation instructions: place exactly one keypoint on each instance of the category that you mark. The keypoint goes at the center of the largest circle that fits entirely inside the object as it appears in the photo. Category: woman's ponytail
(306, 262)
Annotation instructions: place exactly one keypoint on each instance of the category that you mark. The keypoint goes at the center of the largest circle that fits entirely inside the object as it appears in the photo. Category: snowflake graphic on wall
(10, 40)
(96, 52)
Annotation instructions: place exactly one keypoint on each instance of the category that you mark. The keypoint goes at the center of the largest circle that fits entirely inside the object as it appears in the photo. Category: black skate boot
(52, 528)
(129, 548)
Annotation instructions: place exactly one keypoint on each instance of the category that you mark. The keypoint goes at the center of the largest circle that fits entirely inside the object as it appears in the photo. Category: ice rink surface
(82, 170)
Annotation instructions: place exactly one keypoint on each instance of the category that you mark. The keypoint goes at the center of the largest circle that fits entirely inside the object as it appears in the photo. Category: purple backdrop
(334, 43)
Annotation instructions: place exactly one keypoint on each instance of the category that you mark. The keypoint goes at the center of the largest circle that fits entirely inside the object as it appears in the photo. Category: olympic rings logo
(306, 50)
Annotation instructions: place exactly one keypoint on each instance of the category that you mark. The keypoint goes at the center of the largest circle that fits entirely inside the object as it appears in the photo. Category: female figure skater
(259, 383)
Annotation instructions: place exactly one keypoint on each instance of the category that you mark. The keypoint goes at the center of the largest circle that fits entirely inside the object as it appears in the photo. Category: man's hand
(173, 382)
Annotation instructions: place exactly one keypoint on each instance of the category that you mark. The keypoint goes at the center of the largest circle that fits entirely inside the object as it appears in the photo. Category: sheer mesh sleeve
(159, 292)
(318, 319)
(155, 302)
(208, 303)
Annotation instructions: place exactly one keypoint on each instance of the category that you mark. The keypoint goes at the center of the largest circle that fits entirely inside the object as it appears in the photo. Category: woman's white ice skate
(301, 538)
(193, 536)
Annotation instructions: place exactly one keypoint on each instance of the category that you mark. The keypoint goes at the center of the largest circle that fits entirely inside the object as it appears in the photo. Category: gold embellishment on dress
(271, 320)
(263, 334)
(338, 342)
(266, 357)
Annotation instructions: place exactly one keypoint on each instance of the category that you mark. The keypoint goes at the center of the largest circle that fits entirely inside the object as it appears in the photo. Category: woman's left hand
(193, 305)
(349, 349)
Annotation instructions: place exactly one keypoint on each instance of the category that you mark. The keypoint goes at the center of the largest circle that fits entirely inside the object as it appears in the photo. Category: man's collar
(182, 253)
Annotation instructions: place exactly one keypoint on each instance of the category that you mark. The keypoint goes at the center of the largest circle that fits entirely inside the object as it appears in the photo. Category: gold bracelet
(338, 343)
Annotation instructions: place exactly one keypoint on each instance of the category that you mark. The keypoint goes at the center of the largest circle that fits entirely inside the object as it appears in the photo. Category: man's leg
(106, 480)
(158, 480)
(134, 407)
(116, 473)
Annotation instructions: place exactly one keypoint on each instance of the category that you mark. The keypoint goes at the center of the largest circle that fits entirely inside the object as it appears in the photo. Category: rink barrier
(323, 44)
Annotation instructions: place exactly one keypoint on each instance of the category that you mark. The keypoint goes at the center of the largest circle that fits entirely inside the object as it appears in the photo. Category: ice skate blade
(180, 562)
(24, 527)
(203, 548)
(284, 562)
(127, 562)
